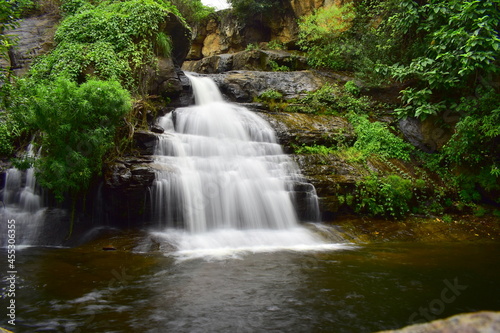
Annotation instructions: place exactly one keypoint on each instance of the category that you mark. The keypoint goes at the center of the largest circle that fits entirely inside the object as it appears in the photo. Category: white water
(22, 203)
(223, 182)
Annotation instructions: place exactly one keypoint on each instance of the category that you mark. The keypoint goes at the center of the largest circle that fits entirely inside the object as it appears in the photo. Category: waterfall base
(232, 243)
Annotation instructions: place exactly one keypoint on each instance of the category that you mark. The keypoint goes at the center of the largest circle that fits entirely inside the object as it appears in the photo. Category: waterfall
(221, 172)
(23, 205)
(22, 202)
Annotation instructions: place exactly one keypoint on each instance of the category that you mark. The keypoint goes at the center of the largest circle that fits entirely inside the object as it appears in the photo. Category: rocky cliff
(224, 32)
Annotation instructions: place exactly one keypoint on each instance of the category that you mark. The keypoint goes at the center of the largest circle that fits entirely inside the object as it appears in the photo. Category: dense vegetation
(442, 53)
(446, 54)
(74, 98)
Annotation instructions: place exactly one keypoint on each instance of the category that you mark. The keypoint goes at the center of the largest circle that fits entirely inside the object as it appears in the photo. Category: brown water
(360, 289)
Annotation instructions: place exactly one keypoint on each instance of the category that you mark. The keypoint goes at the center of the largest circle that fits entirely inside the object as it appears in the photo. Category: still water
(142, 287)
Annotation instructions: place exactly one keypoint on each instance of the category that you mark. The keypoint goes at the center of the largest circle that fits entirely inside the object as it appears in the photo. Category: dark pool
(360, 289)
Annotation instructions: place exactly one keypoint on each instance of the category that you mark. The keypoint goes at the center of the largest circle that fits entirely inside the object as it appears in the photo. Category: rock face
(223, 32)
(478, 322)
(243, 86)
(35, 36)
(255, 60)
(126, 183)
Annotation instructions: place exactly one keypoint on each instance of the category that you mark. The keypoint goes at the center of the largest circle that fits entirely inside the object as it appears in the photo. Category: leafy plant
(247, 9)
(376, 138)
(314, 149)
(352, 88)
(275, 45)
(78, 124)
(387, 197)
(318, 30)
(252, 46)
(271, 94)
(275, 67)
(163, 44)
(111, 41)
(194, 11)
(456, 43)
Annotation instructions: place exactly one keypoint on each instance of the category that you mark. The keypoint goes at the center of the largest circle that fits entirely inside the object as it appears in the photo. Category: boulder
(477, 322)
(145, 142)
(297, 129)
(254, 60)
(125, 191)
(34, 36)
(244, 86)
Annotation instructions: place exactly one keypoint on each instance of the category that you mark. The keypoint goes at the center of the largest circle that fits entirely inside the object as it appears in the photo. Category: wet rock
(146, 141)
(254, 60)
(477, 322)
(125, 191)
(244, 86)
(157, 129)
(35, 36)
(430, 134)
(224, 32)
(297, 129)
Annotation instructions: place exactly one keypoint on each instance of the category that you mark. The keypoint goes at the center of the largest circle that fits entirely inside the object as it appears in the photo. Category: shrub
(387, 197)
(320, 34)
(352, 88)
(78, 124)
(314, 149)
(247, 9)
(110, 41)
(376, 138)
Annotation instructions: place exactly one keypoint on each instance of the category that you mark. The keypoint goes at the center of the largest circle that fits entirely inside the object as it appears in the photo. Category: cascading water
(224, 180)
(22, 203)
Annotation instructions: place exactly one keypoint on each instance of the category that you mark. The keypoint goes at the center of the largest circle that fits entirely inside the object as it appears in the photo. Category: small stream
(348, 289)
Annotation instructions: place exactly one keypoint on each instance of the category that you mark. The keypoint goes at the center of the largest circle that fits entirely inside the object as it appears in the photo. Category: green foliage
(275, 67)
(456, 43)
(352, 88)
(376, 138)
(275, 45)
(9, 13)
(320, 35)
(6, 147)
(270, 94)
(110, 41)
(193, 10)
(247, 9)
(78, 125)
(352, 36)
(163, 44)
(273, 99)
(330, 100)
(314, 149)
(252, 46)
(387, 197)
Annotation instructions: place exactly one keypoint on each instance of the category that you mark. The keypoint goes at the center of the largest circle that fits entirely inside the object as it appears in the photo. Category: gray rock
(255, 60)
(243, 86)
(477, 322)
(145, 142)
(35, 36)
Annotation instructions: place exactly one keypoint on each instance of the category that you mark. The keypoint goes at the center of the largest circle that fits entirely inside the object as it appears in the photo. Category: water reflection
(360, 289)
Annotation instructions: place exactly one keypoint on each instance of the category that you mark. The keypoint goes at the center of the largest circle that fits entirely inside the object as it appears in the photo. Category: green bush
(352, 88)
(314, 149)
(193, 10)
(456, 44)
(110, 41)
(270, 94)
(77, 125)
(321, 33)
(247, 9)
(387, 197)
(376, 138)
